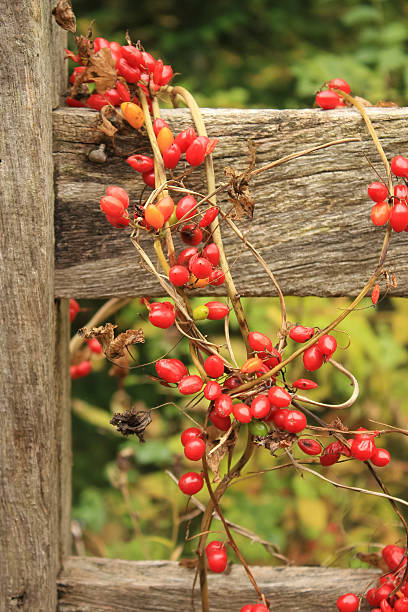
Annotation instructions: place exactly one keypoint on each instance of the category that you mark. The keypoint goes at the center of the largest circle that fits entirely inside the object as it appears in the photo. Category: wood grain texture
(29, 488)
(96, 585)
(311, 219)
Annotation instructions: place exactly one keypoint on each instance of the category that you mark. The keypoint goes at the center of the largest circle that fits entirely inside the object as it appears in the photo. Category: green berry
(258, 428)
(200, 313)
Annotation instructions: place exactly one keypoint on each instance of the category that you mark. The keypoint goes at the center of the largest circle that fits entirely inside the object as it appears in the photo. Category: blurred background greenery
(248, 54)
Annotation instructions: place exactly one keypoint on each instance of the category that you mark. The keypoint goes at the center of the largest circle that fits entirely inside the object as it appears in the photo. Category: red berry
(377, 191)
(185, 256)
(383, 592)
(327, 99)
(192, 433)
(216, 310)
(312, 358)
(279, 397)
(74, 103)
(149, 178)
(279, 417)
(213, 546)
(128, 72)
(295, 421)
(100, 43)
(132, 55)
(200, 267)
(159, 124)
(242, 413)
(401, 192)
(401, 605)
(148, 62)
(214, 366)
(94, 345)
(194, 449)
(375, 294)
(186, 208)
(246, 608)
(185, 138)
(157, 72)
(112, 206)
(399, 165)
(259, 342)
(362, 449)
(212, 253)
(348, 603)
(217, 560)
(371, 597)
(208, 217)
(232, 382)
(340, 84)
(212, 390)
(305, 384)
(190, 384)
(217, 277)
(162, 317)
(223, 405)
(82, 369)
(223, 423)
(178, 275)
(309, 446)
(331, 454)
(171, 370)
(167, 74)
(73, 309)
(191, 234)
(191, 483)
(141, 163)
(380, 457)
(123, 91)
(393, 556)
(380, 213)
(299, 333)
(260, 406)
(259, 608)
(171, 156)
(272, 359)
(113, 96)
(327, 345)
(399, 217)
(195, 153)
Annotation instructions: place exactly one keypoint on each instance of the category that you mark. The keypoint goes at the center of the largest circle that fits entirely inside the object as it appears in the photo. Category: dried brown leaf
(84, 46)
(238, 189)
(386, 104)
(65, 16)
(113, 347)
(337, 423)
(100, 70)
(130, 422)
(120, 368)
(374, 559)
(276, 440)
(218, 455)
(106, 126)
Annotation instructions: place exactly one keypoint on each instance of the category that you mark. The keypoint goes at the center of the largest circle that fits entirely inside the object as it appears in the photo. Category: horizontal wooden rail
(311, 219)
(111, 585)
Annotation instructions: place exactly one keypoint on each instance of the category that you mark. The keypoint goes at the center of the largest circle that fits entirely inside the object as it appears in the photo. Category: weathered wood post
(31, 440)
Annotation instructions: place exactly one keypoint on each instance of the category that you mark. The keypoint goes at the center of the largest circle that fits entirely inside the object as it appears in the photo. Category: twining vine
(257, 399)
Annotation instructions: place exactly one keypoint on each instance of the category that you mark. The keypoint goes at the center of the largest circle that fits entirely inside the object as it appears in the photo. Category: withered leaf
(130, 422)
(107, 127)
(84, 46)
(337, 423)
(113, 347)
(275, 440)
(64, 15)
(214, 459)
(238, 188)
(386, 104)
(374, 559)
(100, 69)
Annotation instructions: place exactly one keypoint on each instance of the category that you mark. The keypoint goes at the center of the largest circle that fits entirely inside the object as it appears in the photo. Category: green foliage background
(250, 54)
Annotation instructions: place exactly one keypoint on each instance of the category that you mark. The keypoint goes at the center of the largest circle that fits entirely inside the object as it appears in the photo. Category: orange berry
(251, 365)
(166, 207)
(133, 114)
(198, 283)
(154, 216)
(165, 139)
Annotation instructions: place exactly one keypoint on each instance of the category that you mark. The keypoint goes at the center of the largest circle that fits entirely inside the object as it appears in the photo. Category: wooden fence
(311, 225)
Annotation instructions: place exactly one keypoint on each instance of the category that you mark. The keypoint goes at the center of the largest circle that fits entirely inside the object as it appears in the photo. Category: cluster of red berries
(317, 354)
(115, 205)
(362, 447)
(132, 65)
(83, 368)
(328, 98)
(197, 269)
(380, 598)
(391, 208)
(195, 148)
